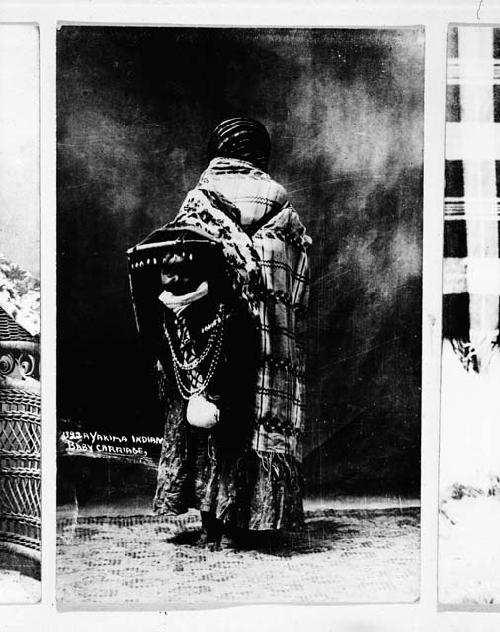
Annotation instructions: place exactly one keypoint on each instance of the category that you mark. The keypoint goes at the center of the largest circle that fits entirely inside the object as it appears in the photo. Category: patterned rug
(339, 556)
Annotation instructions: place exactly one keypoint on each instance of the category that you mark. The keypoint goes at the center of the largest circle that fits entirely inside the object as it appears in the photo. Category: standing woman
(231, 364)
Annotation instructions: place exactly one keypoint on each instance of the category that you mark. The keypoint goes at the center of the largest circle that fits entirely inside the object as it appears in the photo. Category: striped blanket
(249, 214)
(472, 179)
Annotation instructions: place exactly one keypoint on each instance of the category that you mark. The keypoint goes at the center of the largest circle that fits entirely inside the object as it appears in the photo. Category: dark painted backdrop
(345, 112)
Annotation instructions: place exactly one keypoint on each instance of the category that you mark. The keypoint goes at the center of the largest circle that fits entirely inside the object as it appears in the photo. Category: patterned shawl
(244, 209)
(471, 281)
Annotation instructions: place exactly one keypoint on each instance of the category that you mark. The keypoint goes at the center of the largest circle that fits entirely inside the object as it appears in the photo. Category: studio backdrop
(344, 109)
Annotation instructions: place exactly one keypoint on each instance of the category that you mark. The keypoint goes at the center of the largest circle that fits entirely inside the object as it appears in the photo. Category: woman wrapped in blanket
(232, 373)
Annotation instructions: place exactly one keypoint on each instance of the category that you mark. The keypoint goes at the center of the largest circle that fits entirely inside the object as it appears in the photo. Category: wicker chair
(20, 438)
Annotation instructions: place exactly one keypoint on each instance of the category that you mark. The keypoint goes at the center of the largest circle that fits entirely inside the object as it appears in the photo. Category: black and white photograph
(20, 421)
(469, 551)
(239, 315)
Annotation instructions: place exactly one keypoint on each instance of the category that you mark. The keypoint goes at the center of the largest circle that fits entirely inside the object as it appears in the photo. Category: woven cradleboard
(20, 439)
(145, 262)
(20, 522)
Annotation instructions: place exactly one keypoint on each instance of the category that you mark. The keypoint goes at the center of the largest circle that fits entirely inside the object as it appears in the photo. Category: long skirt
(216, 471)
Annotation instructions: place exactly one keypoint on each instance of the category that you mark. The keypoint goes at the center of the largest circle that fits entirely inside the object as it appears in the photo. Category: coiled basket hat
(242, 138)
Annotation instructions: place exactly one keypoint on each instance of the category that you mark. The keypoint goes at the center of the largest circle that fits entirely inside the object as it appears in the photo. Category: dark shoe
(236, 538)
(213, 546)
(212, 532)
(205, 542)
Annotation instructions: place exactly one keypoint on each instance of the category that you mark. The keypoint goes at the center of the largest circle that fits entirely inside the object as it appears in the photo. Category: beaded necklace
(188, 377)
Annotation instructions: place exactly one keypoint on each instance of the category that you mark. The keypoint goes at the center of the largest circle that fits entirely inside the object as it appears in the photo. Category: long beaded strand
(216, 339)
